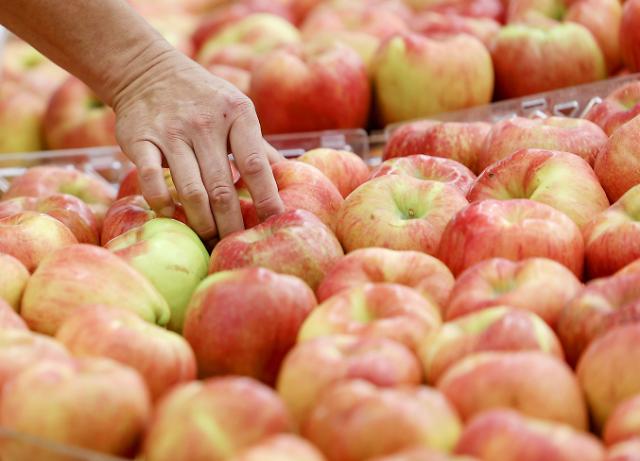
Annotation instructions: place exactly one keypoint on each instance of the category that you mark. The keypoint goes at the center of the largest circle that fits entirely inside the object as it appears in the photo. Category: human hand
(177, 111)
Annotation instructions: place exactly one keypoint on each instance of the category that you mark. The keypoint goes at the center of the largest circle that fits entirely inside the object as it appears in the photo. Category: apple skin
(617, 165)
(422, 454)
(82, 274)
(622, 105)
(580, 137)
(378, 310)
(623, 424)
(517, 229)
(494, 9)
(559, 179)
(171, 256)
(630, 35)
(532, 382)
(611, 238)
(31, 237)
(599, 307)
(294, 243)
(346, 170)
(493, 329)
(245, 321)
(164, 359)
(537, 285)
(348, 413)
(436, 24)
(459, 141)
(9, 318)
(130, 184)
(75, 118)
(283, 447)
(314, 366)
(68, 209)
(608, 373)
(397, 212)
(531, 59)
(327, 87)
(82, 398)
(21, 114)
(301, 186)
(214, 416)
(13, 279)
(426, 167)
(624, 451)
(417, 76)
(425, 274)
(506, 435)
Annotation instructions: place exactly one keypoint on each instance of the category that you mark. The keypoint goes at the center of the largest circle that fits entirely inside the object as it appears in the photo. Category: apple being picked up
(346, 170)
(618, 108)
(13, 279)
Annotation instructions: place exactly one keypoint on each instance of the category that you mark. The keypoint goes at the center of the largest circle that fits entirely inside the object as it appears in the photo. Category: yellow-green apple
(624, 451)
(533, 58)
(346, 170)
(78, 275)
(532, 382)
(240, 78)
(9, 318)
(578, 136)
(295, 243)
(538, 285)
(602, 305)
(327, 87)
(282, 447)
(440, 24)
(348, 414)
(245, 321)
(630, 35)
(75, 117)
(559, 179)
(379, 310)
(428, 168)
(624, 422)
(611, 238)
(618, 162)
(492, 329)
(398, 212)
(506, 435)
(617, 108)
(314, 366)
(42, 181)
(31, 237)
(422, 454)
(90, 403)
(128, 213)
(13, 279)
(68, 209)
(171, 256)
(252, 36)
(21, 114)
(163, 358)
(459, 141)
(425, 274)
(218, 418)
(417, 76)
(608, 371)
(301, 186)
(513, 229)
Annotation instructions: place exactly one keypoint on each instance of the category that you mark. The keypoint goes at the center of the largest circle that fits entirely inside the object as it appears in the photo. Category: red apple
(617, 108)
(346, 170)
(9, 319)
(424, 273)
(326, 88)
(429, 168)
(512, 229)
(78, 275)
(630, 35)
(538, 285)
(458, 141)
(314, 366)
(624, 422)
(577, 136)
(624, 451)
(440, 24)
(398, 212)
(348, 414)
(283, 447)
(245, 321)
(214, 420)
(13, 279)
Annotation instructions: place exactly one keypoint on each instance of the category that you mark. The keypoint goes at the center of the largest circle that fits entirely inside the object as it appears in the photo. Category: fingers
(248, 148)
(218, 181)
(191, 191)
(148, 160)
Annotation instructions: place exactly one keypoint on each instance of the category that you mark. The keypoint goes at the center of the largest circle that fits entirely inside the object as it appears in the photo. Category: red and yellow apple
(13, 279)
(617, 108)
(282, 447)
(630, 35)
(624, 451)
(346, 170)
(422, 454)
(9, 318)
(624, 422)
(432, 23)
(21, 114)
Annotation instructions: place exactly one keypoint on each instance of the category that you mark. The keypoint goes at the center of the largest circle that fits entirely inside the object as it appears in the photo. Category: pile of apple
(311, 65)
(474, 296)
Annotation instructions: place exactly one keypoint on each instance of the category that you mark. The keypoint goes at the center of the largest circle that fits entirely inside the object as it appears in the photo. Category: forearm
(103, 42)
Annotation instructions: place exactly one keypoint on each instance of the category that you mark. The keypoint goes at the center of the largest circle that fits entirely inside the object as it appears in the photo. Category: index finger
(249, 152)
